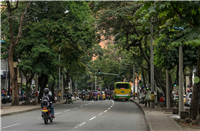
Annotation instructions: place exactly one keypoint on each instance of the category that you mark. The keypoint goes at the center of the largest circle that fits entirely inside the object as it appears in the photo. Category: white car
(188, 99)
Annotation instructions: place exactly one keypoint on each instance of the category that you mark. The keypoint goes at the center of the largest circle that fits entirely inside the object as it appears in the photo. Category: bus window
(122, 86)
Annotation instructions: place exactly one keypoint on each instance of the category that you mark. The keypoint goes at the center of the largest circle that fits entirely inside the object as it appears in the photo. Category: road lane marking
(57, 113)
(10, 125)
(82, 124)
(105, 110)
(100, 114)
(38, 118)
(108, 108)
(92, 118)
(75, 108)
(67, 110)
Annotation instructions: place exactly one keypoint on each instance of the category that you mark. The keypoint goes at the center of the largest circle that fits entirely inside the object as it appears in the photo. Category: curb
(36, 108)
(145, 116)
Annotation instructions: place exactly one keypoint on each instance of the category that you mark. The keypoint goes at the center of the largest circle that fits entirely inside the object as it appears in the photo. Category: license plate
(122, 91)
(44, 110)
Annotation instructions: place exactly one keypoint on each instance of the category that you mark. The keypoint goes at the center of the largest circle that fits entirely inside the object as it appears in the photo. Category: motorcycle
(68, 100)
(83, 97)
(4, 99)
(109, 97)
(46, 114)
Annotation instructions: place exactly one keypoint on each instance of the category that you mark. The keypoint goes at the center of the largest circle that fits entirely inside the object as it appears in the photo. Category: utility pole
(134, 81)
(167, 90)
(180, 79)
(152, 66)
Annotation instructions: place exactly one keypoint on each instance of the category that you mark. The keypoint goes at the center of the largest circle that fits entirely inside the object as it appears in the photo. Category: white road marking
(82, 124)
(57, 113)
(38, 118)
(10, 125)
(75, 108)
(105, 110)
(92, 118)
(111, 106)
(108, 108)
(67, 110)
(100, 114)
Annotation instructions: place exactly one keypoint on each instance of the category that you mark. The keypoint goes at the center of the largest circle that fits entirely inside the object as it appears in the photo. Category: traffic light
(174, 84)
(99, 71)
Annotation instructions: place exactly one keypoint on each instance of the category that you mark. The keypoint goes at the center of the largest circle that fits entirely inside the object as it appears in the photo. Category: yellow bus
(122, 90)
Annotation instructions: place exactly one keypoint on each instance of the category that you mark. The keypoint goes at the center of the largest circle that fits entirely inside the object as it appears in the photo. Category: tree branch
(21, 24)
(140, 63)
(176, 10)
(15, 6)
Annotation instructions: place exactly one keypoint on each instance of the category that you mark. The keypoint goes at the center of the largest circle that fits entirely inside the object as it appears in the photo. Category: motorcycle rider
(46, 93)
(83, 93)
(69, 95)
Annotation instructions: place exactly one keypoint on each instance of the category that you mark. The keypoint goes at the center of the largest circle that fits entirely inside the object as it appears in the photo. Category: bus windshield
(122, 86)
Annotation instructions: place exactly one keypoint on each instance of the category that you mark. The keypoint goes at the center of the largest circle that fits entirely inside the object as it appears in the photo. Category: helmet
(46, 91)
(147, 88)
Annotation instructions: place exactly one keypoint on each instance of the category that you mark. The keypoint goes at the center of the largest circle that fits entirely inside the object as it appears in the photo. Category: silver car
(188, 99)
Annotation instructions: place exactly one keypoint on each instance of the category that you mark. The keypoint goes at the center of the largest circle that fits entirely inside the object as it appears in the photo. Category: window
(122, 86)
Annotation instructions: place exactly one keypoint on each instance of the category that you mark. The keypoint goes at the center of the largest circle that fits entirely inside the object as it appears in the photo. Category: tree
(13, 42)
(184, 14)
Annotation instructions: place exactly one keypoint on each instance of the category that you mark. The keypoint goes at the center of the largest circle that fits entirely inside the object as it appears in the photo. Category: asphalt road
(82, 115)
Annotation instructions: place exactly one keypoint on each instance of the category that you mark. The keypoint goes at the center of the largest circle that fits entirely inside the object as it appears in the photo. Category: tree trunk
(195, 94)
(15, 88)
(27, 93)
(53, 86)
(143, 77)
(28, 84)
(190, 79)
(185, 83)
(43, 80)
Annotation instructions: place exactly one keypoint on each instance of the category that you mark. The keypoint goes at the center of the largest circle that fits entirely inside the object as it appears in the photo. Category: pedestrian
(147, 97)
(3, 92)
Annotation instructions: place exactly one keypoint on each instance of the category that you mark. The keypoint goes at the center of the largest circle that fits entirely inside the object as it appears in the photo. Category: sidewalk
(10, 110)
(157, 120)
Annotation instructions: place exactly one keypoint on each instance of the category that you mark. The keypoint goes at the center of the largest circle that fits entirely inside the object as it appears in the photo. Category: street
(82, 115)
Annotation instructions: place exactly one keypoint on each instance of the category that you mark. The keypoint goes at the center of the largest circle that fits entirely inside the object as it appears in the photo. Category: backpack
(45, 101)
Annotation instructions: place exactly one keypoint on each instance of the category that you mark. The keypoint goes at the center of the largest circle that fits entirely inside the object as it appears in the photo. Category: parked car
(188, 99)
